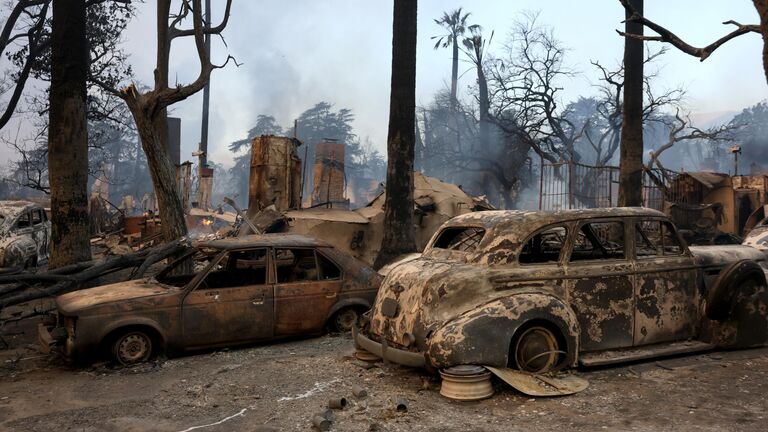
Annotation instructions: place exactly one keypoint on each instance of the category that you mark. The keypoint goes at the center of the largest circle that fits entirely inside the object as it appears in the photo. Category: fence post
(541, 181)
(570, 184)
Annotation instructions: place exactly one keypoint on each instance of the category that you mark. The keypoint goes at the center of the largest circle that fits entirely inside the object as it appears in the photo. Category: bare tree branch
(665, 35)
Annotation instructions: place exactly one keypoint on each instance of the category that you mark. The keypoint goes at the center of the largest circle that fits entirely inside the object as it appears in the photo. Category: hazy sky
(297, 53)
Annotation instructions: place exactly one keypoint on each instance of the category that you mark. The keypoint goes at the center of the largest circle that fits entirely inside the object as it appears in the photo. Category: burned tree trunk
(631, 151)
(68, 135)
(152, 135)
(762, 10)
(149, 109)
(399, 235)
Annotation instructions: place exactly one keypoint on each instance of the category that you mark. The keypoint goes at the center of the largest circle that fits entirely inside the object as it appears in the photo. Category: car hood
(720, 256)
(758, 238)
(421, 294)
(119, 292)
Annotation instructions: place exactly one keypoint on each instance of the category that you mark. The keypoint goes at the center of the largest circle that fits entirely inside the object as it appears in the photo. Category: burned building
(275, 177)
(705, 202)
(329, 176)
(360, 232)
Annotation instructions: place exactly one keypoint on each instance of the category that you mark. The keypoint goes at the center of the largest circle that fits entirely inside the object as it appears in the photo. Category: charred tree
(68, 135)
(399, 235)
(667, 36)
(631, 150)
(149, 109)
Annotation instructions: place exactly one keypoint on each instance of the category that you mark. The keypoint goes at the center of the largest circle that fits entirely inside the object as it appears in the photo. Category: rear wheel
(132, 347)
(536, 349)
(343, 320)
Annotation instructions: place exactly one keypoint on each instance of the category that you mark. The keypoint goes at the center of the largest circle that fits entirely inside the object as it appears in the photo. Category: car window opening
(23, 221)
(237, 269)
(37, 217)
(296, 265)
(544, 247)
(168, 275)
(459, 239)
(599, 240)
(656, 238)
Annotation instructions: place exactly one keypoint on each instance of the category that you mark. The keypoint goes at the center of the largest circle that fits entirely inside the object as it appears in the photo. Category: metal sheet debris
(541, 385)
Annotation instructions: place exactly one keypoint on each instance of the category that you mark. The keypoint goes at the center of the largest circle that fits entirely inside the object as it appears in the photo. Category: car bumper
(55, 339)
(395, 355)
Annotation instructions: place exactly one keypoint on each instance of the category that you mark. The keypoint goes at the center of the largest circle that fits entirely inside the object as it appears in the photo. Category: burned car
(757, 237)
(24, 234)
(252, 288)
(539, 291)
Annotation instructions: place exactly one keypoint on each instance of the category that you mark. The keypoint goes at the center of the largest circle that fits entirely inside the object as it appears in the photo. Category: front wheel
(131, 348)
(536, 350)
(343, 320)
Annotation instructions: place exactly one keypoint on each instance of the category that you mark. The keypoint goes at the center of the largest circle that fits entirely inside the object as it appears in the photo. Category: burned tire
(729, 281)
(537, 349)
(132, 347)
(344, 319)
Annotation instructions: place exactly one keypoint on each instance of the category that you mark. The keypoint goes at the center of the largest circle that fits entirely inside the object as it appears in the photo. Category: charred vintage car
(538, 291)
(24, 234)
(253, 288)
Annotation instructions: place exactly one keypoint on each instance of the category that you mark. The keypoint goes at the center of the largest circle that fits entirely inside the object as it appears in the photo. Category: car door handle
(258, 301)
(330, 295)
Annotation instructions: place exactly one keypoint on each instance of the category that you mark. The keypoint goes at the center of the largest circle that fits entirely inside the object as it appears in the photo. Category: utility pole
(202, 194)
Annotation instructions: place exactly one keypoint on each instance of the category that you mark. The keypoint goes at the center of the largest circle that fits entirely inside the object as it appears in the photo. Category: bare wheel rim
(133, 348)
(537, 350)
(345, 319)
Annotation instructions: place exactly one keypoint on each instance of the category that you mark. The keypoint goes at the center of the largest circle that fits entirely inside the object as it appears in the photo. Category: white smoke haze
(295, 54)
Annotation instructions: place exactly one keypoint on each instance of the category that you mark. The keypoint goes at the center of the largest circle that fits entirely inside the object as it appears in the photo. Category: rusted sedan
(254, 288)
(539, 291)
(24, 234)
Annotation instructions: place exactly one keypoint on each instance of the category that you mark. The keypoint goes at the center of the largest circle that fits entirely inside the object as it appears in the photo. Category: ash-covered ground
(283, 385)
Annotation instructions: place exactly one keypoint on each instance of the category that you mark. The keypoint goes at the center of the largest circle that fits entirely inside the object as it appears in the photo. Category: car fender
(724, 288)
(483, 335)
(131, 321)
(14, 250)
(354, 301)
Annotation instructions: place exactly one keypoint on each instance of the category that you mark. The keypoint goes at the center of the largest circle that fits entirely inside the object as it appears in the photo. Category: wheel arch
(722, 291)
(345, 303)
(153, 330)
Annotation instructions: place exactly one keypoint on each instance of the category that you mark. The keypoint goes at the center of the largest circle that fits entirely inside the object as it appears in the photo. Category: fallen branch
(99, 268)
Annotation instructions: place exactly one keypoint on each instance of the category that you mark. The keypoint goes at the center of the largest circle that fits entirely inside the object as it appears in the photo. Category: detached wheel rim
(133, 348)
(537, 350)
(345, 319)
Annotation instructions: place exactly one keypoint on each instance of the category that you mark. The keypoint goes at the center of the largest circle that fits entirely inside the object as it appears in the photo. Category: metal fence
(571, 185)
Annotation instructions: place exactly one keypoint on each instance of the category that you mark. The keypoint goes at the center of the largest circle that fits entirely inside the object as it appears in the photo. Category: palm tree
(475, 48)
(456, 25)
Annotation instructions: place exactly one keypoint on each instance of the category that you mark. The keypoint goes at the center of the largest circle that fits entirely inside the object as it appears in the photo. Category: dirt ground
(283, 385)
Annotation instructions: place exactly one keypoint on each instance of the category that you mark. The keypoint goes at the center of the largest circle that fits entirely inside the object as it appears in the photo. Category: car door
(600, 289)
(40, 233)
(304, 295)
(232, 302)
(665, 285)
(24, 233)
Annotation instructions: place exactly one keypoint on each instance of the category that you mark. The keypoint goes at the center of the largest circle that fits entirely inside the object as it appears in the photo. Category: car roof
(265, 240)
(529, 219)
(10, 209)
